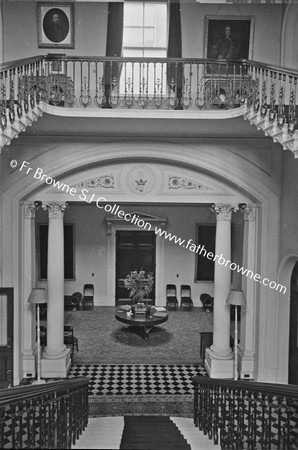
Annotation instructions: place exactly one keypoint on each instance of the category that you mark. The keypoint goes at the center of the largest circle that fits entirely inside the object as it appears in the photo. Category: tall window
(144, 36)
(145, 29)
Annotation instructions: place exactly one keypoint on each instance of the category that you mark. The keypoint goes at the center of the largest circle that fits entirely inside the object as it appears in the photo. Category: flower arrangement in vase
(139, 284)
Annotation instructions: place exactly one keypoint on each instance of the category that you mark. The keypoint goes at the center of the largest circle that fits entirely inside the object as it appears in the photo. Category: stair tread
(146, 433)
(104, 433)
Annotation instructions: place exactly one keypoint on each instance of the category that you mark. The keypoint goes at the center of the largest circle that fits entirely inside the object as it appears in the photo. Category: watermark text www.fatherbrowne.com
(115, 210)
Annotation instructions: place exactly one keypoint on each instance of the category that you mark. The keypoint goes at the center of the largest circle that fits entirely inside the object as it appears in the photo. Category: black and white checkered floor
(138, 379)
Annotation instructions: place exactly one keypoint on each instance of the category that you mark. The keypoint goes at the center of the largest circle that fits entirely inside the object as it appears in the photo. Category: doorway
(135, 250)
(6, 337)
(293, 347)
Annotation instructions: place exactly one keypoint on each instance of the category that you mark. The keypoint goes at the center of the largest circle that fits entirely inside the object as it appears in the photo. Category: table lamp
(37, 297)
(236, 297)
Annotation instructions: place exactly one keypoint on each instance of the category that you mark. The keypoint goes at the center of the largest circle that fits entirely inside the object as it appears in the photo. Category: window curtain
(114, 45)
(175, 71)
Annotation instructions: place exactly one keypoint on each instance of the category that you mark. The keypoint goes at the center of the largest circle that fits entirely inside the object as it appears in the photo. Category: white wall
(20, 29)
(266, 43)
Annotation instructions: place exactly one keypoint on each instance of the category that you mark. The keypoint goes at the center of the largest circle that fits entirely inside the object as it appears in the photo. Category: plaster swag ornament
(177, 182)
(104, 181)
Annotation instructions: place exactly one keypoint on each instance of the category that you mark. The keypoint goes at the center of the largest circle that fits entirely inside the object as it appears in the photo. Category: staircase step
(105, 433)
(101, 433)
(144, 433)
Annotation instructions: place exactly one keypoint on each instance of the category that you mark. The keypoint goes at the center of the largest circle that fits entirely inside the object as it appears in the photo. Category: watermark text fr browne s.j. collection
(115, 210)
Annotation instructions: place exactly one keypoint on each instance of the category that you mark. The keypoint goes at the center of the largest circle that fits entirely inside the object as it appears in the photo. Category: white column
(219, 358)
(29, 281)
(249, 285)
(56, 357)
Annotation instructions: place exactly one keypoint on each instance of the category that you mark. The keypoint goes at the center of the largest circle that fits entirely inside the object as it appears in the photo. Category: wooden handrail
(246, 414)
(50, 415)
(52, 57)
(286, 390)
(20, 62)
(22, 393)
(283, 70)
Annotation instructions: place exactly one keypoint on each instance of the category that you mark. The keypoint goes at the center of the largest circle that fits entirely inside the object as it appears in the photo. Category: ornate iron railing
(247, 415)
(266, 94)
(51, 415)
(272, 92)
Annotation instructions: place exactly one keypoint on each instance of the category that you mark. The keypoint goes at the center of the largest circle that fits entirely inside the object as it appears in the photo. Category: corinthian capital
(55, 209)
(29, 210)
(224, 210)
(250, 213)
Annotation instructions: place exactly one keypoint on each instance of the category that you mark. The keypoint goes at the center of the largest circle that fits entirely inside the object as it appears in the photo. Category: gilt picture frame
(55, 25)
(229, 37)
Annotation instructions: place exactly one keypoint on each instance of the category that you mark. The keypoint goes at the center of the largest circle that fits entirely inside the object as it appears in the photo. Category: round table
(147, 323)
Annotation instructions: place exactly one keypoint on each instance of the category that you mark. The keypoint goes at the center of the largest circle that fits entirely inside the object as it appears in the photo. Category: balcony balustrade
(246, 415)
(265, 95)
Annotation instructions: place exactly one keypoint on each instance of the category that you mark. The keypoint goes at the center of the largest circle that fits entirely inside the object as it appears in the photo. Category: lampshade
(37, 296)
(236, 297)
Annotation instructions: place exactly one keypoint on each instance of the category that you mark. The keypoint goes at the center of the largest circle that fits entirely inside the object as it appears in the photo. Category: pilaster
(29, 281)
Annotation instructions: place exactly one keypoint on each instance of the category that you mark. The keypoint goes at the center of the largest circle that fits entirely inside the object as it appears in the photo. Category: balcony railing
(247, 415)
(51, 415)
(266, 95)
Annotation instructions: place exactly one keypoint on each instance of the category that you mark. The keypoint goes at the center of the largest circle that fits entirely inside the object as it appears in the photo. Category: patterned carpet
(104, 340)
(139, 389)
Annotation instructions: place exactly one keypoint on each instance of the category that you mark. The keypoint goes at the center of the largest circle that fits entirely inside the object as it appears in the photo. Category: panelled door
(135, 250)
(6, 337)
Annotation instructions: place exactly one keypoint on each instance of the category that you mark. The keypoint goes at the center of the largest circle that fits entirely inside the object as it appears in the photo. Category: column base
(56, 367)
(218, 368)
(28, 365)
(246, 365)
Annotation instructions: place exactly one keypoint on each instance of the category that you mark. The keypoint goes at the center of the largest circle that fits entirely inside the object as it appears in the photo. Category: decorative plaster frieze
(106, 181)
(176, 182)
(224, 210)
(55, 209)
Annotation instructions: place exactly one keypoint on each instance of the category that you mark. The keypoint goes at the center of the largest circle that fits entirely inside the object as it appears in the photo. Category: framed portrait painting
(229, 37)
(55, 22)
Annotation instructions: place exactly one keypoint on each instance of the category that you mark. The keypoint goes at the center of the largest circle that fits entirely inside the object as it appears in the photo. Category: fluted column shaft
(55, 310)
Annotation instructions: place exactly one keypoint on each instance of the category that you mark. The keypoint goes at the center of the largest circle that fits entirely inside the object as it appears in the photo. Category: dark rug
(152, 433)
(104, 340)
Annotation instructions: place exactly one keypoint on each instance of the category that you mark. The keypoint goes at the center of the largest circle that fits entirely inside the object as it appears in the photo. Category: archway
(213, 165)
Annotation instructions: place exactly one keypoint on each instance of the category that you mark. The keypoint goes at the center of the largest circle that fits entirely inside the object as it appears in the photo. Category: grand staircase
(143, 433)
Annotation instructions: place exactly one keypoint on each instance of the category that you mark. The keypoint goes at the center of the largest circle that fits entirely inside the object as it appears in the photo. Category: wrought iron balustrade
(51, 415)
(265, 95)
(247, 415)
(273, 96)
(126, 83)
